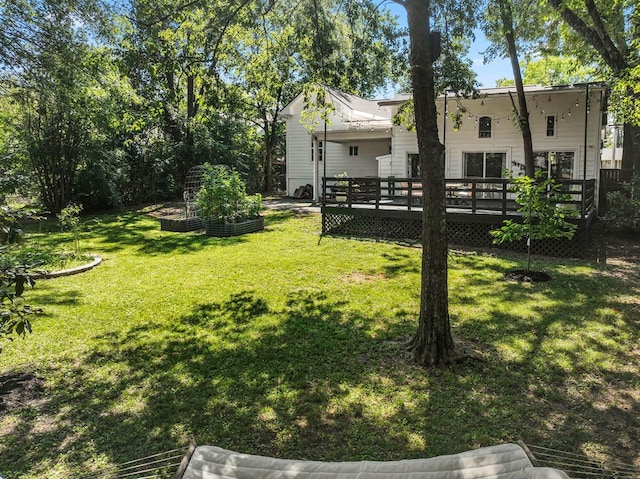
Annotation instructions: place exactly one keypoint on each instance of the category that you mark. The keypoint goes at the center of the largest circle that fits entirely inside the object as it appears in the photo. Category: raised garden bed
(180, 223)
(235, 229)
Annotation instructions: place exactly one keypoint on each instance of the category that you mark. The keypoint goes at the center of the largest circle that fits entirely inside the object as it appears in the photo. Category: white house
(360, 139)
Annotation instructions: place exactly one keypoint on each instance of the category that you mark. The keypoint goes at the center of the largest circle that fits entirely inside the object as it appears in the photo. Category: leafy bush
(623, 207)
(14, 313)
(223, 197)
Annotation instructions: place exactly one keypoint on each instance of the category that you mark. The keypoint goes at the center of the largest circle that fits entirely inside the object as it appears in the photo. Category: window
(556, 164)
(320, 151)
(484, 165)
(484, 127)
(551, 126)
(313, 150)
(353, 151)
(414, 166)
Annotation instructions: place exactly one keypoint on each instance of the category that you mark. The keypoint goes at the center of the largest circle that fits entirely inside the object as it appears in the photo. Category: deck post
(474, 195)
(504, 198)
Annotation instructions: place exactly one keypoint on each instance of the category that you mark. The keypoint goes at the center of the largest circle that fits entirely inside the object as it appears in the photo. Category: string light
(534, 101)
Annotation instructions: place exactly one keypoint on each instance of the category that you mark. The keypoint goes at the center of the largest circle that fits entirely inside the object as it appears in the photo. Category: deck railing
(466, 195)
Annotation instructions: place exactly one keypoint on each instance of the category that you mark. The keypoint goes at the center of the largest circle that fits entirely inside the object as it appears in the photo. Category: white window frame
(550, 163)
(491, 127)
(555, 125)
(354, 150)
(484, 162)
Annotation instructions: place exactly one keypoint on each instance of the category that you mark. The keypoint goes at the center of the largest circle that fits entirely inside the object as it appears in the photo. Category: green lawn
(281, 343)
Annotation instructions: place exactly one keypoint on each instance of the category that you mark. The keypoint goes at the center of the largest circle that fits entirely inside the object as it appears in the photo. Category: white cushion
(507, 461)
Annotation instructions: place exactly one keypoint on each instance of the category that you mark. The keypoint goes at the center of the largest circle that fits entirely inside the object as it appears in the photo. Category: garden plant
(223, 197)
(543, 213)
(15, 314)
(623, 208)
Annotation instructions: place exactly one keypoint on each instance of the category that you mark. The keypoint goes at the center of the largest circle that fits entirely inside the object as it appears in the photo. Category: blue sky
(487, 74)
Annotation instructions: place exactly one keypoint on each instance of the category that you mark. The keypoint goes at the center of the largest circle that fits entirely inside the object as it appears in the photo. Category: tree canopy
(113, 102)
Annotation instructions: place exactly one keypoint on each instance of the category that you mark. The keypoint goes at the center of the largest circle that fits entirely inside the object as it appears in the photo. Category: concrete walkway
(291, 204)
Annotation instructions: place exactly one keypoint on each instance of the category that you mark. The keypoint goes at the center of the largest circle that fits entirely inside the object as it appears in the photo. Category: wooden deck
(391, 208)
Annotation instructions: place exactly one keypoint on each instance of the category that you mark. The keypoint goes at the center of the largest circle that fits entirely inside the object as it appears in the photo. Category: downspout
(316, 159)
(444, 132)
(325, 150)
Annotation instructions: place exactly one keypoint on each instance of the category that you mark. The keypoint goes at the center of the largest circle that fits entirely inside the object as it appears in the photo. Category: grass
(281, 343)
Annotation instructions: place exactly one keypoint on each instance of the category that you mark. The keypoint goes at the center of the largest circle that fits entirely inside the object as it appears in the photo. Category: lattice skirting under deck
(461, 231)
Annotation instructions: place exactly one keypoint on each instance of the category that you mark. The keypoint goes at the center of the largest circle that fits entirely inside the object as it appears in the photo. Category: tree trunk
(523, 112)
(269, 148)
(432, 344)
(627, 147)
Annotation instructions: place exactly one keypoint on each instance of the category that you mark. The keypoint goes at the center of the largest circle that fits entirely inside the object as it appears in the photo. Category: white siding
(298, 151)
(364, 164)
(404, 143)
(506, 137)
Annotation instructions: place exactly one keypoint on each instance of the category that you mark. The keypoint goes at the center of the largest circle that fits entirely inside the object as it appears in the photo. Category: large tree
(173, 54)
(58, 95)
(612, 30)
(432, 344)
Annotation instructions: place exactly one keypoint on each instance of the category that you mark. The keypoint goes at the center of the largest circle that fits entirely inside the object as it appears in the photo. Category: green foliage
(69, 218)
(557, 70)
(542, 215)
(625, 95)
(14, 313)
(223, 197)
(11, 230)
(623, 207)
(406, 116)
(317, 108)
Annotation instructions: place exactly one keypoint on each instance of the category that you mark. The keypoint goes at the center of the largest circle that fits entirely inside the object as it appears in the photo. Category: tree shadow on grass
(114, 233)
(306, 380)
(399, 262)
(573, 356)
(236, 373)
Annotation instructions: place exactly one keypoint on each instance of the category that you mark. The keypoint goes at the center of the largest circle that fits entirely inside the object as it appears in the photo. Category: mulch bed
(527, 276)
(18, 389)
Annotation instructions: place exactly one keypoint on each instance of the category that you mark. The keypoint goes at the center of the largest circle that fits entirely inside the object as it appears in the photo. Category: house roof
(501, 91)
(358, 108)
(352, 108)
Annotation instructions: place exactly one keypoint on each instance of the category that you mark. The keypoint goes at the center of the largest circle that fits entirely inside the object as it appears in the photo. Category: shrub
(69, 218)
(623, 207)
(14, 314)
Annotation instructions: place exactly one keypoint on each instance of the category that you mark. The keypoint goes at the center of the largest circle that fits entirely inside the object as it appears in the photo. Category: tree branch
(595, 38)
(600, 27)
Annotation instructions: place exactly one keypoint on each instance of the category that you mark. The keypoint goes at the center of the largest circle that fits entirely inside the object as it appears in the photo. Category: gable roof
(352, 108)
(358, 108)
